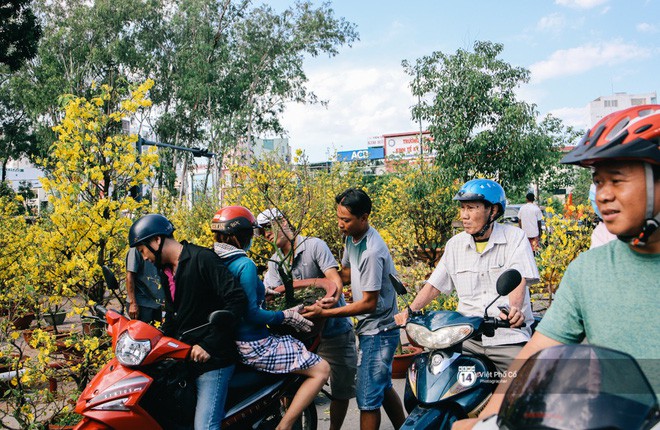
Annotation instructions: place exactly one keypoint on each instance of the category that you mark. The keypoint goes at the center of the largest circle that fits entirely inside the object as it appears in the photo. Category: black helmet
(147, 227)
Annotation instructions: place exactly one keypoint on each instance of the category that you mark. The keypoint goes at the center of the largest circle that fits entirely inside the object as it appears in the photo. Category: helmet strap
(486, 226)
(651, 223)
(157, 253)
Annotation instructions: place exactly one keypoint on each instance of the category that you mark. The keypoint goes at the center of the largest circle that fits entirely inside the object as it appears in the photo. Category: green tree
(233, 68)
(223, 69)
(16, 137)
(19, 33)
(479, 126)
(102, 42)
(426, 192)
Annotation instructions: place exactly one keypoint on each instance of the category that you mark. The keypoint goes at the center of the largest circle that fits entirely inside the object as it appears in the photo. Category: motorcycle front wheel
(307, 421)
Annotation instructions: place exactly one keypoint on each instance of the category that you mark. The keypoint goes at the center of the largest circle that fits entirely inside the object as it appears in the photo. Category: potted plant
(18, 307)
(403, 358)
(306, 292)
(21, 322)
(54, 310)
(64, 420)
(54, 317)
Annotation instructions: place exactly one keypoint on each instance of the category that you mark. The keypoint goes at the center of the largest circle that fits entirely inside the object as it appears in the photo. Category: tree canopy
(479, 126)
(223, 70)
(19, 33)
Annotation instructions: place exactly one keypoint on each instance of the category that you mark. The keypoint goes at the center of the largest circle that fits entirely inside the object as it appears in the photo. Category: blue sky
(576, 50)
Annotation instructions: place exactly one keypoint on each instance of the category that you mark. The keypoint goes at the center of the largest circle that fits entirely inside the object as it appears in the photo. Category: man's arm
(516, 299)
(365, 306)
(423, 298)
(537, 343)
(333, 275)
(345, 275)
(133, 308)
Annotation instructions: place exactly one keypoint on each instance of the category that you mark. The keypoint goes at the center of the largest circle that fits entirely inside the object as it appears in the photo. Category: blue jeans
(212, 389)
(374, 374)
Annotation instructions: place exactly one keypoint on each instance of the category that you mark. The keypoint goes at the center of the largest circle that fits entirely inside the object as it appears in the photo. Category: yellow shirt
(481, 246)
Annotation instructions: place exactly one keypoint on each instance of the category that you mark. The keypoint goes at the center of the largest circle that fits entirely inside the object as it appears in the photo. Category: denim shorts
(374, 374)
(339, 352)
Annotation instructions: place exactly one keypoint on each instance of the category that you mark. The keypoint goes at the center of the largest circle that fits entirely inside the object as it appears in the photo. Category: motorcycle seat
(247, 377)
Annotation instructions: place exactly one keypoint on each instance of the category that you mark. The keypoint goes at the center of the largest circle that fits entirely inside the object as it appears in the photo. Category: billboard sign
(375, 141)
(406, 145)
(371, 153)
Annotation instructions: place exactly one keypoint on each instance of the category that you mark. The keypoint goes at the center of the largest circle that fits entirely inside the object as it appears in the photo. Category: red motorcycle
(128, 392)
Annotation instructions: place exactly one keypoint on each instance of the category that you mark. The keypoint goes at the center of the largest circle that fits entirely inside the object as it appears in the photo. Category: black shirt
(203, 285)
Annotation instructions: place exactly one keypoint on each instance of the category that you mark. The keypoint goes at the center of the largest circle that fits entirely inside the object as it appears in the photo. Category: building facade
(605, 105)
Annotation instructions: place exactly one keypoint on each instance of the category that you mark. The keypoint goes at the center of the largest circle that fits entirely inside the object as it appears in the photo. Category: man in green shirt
(609, 295)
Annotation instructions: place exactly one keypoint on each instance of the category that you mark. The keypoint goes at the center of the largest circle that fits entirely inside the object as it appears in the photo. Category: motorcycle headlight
(441, 338)
(131, 352)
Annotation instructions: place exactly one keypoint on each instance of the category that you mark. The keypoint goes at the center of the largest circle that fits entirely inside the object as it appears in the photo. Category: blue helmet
(483, 190)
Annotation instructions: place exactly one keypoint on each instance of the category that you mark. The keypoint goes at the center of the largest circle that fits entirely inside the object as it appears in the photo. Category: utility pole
(419, 115)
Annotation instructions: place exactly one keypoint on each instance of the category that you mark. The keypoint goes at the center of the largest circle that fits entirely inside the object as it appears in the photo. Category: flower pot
(56, 318)
(10, 366)
(402, 361)
(22, 322)
(93, 328)
(329, 288)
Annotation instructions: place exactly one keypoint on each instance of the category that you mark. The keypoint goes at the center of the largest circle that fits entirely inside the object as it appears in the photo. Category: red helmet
(233, 220)
(629, 134)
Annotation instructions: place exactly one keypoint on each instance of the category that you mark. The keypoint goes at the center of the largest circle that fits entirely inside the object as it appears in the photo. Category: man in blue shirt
(145, 296)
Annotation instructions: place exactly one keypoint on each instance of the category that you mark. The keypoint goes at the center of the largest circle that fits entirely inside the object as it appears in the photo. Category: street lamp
(136, 191)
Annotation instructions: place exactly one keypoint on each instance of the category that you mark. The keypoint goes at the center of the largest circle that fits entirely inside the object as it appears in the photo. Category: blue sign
(372, 153)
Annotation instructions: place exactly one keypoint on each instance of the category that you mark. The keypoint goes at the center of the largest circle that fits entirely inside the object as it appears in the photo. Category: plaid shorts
(276, 354)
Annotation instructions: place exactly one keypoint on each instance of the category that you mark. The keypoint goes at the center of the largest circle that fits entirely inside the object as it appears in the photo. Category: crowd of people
(606, 295)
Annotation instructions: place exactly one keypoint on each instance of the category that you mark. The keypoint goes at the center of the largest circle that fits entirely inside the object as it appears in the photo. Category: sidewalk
(352, 421)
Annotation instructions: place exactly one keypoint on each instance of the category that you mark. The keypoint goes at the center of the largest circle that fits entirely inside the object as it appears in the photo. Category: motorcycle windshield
(579, 387)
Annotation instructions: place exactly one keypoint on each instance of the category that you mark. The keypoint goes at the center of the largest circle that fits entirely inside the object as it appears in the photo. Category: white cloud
(645, 27)
(575, 117)
(552, 22)
(574, 61)
(362, 102)
(580, 4)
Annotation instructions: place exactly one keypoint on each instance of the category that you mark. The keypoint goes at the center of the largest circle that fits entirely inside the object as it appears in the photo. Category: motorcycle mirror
(508, 281)
(110, 279)
(220, 317)
(398, 285)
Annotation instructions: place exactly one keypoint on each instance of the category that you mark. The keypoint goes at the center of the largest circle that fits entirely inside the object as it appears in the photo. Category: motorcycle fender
(458, 378)
(427, 418)
(110, 374)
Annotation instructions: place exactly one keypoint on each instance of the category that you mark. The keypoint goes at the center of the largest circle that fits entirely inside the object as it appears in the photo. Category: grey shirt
(311, 259)
(148, 292)
(371, 264)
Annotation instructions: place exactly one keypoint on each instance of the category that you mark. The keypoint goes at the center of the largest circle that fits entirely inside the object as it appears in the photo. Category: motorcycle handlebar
(505, 323)
(395, 327)
(100, 310)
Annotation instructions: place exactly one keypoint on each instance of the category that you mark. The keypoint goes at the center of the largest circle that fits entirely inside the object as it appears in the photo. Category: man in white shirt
(471, 264)
(529, 219)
